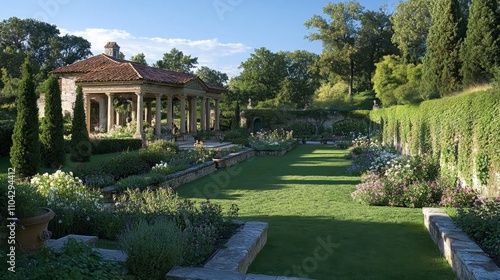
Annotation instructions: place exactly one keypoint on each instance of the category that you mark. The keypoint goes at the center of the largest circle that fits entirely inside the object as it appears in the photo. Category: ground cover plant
(305, 197)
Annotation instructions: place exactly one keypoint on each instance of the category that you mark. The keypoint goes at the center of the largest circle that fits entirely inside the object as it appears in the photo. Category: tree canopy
(176, 60)
(212, 76)
(139, 58)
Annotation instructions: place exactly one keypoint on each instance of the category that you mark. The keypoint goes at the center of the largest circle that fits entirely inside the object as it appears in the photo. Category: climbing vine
(463, 132)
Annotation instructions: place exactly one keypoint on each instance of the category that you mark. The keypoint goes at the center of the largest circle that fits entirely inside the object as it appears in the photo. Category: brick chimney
(112, 49)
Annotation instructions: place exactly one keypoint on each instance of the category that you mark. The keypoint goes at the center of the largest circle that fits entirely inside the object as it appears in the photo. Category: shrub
(350, 127)
(52, 129)
(371, 191)
(75, 205)
(153, 248)
(106, 146)
(482, 223)
(6, 131)
(458, 196)
(153, 156)
(80, 143)
(75, 260)
(124, 165)
(25, 150)
(140, 182)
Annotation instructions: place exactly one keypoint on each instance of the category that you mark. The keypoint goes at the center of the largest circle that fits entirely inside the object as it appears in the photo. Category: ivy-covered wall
(462, 132)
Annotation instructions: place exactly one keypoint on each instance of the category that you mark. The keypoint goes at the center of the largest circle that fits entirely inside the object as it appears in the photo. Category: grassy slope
(305, 196)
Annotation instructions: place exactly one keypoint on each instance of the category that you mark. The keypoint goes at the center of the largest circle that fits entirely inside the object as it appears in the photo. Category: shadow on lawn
(326, 248)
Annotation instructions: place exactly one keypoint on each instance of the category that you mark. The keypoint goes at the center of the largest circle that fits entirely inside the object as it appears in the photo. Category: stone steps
(107, 254)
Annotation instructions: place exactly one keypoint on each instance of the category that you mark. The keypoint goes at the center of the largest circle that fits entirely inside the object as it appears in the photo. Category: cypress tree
(480, 51)
(25, 150)
(80, 143)
(52, 129)
(441, 64)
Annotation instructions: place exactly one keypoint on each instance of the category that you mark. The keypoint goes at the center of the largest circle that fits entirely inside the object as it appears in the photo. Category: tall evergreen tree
(440, 74)
(52, 130)
(80, 143)
(480, 51)
(25, 150)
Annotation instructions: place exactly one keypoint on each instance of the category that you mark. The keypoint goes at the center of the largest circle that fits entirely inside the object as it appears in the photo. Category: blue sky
(221, 33)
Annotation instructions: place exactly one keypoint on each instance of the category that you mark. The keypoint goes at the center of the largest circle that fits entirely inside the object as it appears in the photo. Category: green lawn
(305, 198)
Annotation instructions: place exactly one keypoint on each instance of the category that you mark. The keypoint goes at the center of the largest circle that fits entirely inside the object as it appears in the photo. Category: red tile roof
(104, 68)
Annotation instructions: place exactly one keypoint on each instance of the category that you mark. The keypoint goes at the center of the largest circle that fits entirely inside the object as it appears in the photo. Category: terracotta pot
(32, 232)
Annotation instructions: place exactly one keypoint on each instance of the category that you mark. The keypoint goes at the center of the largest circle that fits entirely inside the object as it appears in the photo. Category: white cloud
(210, 52)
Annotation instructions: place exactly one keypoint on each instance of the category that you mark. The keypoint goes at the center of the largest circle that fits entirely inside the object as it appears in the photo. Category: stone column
(87, 111)
(203, 114)
(194, 115)
(217, 115)
(169, 111)
(183, 114)
(148, 112)
(207, 113)
(111, 114)
(139, 131)
(102, 112)
(158, 115)
(134, 109)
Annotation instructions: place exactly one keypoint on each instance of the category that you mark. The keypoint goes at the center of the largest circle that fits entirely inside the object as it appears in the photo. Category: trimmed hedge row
(462, 132)
(106, 146)
(6, 131)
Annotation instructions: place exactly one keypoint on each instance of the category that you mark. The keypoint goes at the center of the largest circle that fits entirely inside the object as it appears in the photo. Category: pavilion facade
(105, 79)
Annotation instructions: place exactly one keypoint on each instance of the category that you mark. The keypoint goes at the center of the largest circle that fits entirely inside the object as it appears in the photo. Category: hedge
(463, 132)
(6, 131)
(106, 146)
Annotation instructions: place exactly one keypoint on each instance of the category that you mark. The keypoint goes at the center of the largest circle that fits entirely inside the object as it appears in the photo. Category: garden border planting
(465, 257)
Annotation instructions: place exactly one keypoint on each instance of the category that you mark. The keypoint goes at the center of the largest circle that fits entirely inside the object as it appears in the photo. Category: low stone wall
(241, 249)
(278, 152)
(465, 257)
(234, 158)
(185, 176)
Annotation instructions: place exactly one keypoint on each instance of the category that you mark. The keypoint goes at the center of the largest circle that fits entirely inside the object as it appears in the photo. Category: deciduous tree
(175, 60)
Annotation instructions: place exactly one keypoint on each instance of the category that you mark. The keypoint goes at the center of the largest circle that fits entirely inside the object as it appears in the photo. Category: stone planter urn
(32, 232)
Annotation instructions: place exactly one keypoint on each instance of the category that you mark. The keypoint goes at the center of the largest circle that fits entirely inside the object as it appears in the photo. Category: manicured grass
(305, 198)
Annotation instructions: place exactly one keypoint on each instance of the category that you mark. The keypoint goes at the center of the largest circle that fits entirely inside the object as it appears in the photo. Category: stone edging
(187, 175)
(242, 248)
(234, 158)
(277, 152)
(465, 257)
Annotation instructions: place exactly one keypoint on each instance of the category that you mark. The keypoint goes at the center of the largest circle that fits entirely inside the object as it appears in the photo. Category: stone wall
(234, 158)
(465, 257)
(185, 176)
(68, 96)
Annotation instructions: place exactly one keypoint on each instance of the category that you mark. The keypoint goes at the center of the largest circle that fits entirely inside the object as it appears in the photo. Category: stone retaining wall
(185, 176)
(234, 158)
(465, 257)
